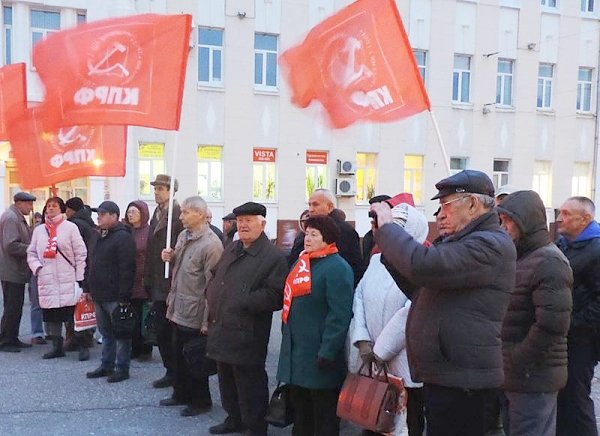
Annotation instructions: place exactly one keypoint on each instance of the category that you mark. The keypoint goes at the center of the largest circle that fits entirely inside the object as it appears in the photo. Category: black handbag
(154, 322)
(279, 410)
(198, 363)
(123, 322)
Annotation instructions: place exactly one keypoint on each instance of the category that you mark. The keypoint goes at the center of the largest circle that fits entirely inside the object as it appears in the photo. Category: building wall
(239, 117)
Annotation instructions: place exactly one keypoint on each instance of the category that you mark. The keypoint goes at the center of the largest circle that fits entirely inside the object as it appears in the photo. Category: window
(265, 60)
(549, 3)
(264, 175)
(413, 176)
(544, 91)
(316, 171)
(7, 14)
(581, 184)
(81, 18)
(421, 58)
(366, 176)
(43, 23)
(210, 56)
(457, 164)
(461, 79)
(210, 172)
(584, 90)
(504, 82)
(587, 5)
(151, 161)
(501, 173)
(542, 181)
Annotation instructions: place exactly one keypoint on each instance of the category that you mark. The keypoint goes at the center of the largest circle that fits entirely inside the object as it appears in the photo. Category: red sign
(13, 95)
(316, 157)
(359, 64)
(263, 155)
(48, 157)
(125, 71)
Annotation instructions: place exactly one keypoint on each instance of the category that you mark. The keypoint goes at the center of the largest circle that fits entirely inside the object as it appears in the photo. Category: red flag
(127, 71)
(359, 64)
(45, 158)
(13, 94)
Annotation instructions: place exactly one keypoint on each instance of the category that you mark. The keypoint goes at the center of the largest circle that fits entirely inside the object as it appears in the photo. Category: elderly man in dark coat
(154, 270)
(246, 288)
(464, 284)
(534, 331)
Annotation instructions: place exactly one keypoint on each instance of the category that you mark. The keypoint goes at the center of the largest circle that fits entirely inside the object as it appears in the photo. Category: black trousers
(137, 341)
(314, 411)
(456, 411)
(415, 413)
(14, 295)
(245, 395)
(187, 388)
(575, 408)
(164, 336)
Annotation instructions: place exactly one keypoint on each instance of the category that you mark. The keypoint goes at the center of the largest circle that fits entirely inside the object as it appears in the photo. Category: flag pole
(171, 198)
(440, 142)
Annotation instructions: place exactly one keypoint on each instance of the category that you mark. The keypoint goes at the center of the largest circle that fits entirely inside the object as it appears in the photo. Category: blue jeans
(529, 414)
(37, 328)
(116, 353)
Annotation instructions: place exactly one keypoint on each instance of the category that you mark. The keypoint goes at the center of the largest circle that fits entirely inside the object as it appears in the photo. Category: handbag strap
(64, 257)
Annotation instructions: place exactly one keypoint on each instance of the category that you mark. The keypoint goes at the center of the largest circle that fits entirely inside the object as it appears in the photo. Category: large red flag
(359, 64)
(127, 71)
(13, 94)
(48, 157)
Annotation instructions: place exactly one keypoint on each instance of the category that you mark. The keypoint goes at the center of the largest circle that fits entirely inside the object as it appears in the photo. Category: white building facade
(513, 84)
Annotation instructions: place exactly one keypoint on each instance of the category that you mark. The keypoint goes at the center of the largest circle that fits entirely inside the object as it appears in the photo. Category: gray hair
(327, 194)
(586, 204)
(487, 201)
(195, 202)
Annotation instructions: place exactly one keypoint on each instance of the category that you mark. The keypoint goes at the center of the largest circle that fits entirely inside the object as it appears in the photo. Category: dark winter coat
(112, 267)
(140, 235)
(584, 256)
(317, 327)
(16, 236)
(154, 268)
(534, 331)
(453, 328)
(246, 288)
(87, 229)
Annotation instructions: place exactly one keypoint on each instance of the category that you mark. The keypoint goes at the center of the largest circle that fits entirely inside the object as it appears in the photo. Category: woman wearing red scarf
(56, 256)
(317, 309)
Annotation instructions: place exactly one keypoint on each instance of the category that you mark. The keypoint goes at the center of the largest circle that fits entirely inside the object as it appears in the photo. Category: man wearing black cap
(461, 287)
(14, 271)
(110, 280)
(154, 271)
(247, 287)
(229, 228)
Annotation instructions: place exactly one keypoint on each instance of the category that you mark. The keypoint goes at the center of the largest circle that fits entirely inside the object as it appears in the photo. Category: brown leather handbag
(369, 401)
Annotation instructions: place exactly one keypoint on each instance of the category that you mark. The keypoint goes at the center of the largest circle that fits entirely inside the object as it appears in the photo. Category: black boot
(57, 348)
(84, 353)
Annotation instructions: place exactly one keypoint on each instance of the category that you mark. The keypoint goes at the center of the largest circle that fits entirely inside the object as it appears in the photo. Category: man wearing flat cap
(460, 289)
(154, 271)
(14, 271)
(246, 288)
(229, 228)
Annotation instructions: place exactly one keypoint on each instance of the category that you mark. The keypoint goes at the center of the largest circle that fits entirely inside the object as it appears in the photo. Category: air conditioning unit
(346, 167)
(345, 187)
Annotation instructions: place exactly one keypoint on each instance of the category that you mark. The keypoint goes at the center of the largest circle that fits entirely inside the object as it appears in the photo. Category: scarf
(298, 282)
(51, 227)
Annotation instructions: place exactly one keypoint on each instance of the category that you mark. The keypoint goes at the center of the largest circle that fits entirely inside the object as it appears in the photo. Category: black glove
(80, 283)
(325, 364)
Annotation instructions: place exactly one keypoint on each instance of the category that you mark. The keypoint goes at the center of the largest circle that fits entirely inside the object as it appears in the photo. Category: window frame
(551, 4)
(44, 31)
(458, 79)
(584, 6)
(584, 89)
(542, 181)
(501, 79)
(212, 50)
(497, 174)
(365, 176)
(578, 179)
(412, 175)
(464, 164)
(153, 162)
(208, 196)
(264, 53)
(7, 49)
(422, 67)
(545, 84)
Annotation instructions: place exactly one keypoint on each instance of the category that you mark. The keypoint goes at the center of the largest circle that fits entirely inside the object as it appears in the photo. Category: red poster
(13, 94)
(125, 71)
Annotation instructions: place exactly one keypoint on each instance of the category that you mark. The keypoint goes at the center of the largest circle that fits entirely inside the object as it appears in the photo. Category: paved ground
(53, 397)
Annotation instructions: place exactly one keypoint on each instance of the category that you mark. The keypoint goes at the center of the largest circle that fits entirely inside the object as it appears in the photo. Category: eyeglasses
(446, 203)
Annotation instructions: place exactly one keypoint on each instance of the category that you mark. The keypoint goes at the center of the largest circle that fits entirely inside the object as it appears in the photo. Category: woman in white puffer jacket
(380, 313)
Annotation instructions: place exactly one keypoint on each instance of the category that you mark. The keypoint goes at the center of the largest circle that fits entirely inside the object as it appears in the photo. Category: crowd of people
(491, 322)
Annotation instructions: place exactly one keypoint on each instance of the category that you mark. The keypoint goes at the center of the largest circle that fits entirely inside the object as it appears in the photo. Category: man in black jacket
(460, 288)
(535, 327)
(580, 242)
(246, 288)
(111, 275)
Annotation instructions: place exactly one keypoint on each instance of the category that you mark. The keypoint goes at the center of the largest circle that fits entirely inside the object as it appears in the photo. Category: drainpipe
(595, 175)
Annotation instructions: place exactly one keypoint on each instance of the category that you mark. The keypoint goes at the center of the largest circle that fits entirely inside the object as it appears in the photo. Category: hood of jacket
(411, 220)
(84, 214)
(143, 208)
(527, 210)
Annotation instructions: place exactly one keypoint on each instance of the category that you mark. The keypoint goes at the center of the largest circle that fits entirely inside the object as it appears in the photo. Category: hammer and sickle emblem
(103, 66)
(302, 268)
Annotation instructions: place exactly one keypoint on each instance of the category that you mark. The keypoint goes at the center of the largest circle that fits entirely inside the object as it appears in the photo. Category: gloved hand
(325, 364)
(80, 283)
(365, 351)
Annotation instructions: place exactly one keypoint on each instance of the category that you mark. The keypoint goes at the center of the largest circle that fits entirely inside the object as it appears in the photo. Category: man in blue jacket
(580, 242)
